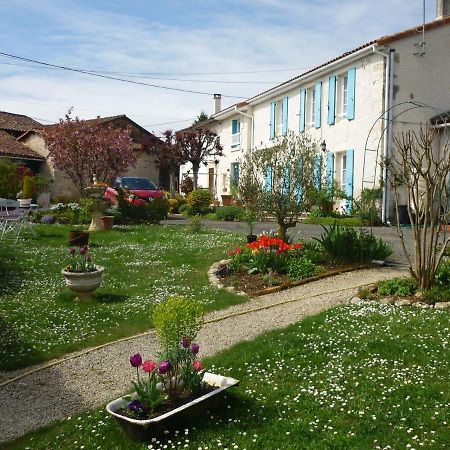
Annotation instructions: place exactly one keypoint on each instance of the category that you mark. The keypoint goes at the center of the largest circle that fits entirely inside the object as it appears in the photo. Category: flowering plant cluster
(264, 254)
(81, 261)
(65, 206)
(178, 372)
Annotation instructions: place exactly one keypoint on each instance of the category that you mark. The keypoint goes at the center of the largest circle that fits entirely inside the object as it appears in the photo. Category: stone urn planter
(146, 429)
(83, 283)
(107, 222)
(24, 202)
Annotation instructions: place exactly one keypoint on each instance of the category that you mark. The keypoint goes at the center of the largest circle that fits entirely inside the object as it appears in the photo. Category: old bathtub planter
(145, 429)
(84, 283)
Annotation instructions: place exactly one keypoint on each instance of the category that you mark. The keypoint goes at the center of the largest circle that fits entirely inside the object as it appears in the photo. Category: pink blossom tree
(82, 148)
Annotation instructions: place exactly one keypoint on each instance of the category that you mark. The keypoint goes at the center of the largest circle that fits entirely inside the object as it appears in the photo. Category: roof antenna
(421, 45)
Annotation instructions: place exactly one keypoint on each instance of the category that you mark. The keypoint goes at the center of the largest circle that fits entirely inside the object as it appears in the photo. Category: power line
(71, 69)
(178, 73)
(130, 75)
(169, 123)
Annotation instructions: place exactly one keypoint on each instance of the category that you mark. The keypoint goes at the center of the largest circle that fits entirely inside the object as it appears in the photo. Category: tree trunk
(172, 183)
(195, 169)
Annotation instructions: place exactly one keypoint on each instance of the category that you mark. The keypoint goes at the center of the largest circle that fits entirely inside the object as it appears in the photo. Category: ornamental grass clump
(177, 375)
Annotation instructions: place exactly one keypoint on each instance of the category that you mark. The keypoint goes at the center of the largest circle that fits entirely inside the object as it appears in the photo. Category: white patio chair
(14, 220)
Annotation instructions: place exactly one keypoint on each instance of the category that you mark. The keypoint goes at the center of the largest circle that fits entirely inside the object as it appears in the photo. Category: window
(344, 95)
(279, 118)
(344, 171)
(313, 105)
(235, 133)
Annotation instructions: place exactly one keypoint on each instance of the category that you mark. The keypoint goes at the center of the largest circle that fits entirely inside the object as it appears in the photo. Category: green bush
(10, 183)
(443, 274)
(152, 212)
(402, 287)
(350, 245)
(199, 200)
(158, 209)
(367, 205)
(183, 208)
(437, 294)
(195, 224)
(229, 213)
(175, 204)
(300, 268)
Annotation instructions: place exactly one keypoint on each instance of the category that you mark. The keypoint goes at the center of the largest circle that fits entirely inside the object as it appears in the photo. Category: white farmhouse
(354, 105)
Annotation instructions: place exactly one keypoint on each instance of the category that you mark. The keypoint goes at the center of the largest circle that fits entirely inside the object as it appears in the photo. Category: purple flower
(84, 250)
(136, 360)
(135, 406)
(185, 342)
(72, 251)
(163, 367)
(195, 348)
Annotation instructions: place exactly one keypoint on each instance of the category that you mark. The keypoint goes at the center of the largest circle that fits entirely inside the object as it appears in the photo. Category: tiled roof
(385, 40)
(18, 122)
(10, 147)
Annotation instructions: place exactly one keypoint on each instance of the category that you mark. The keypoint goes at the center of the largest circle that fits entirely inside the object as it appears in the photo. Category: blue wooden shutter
(331, 100)
(234, 126)
(287, 180)
(302, 110)
(268, 183)
(272, 120)
(351, 85)
(349, 180)
(318, 171)
(317, 104)
(285, 116)
(330, 169)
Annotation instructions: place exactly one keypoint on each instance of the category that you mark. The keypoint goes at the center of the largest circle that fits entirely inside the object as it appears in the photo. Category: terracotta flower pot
(83, 283)
(145, 430)
(107, 222)
(78, 238)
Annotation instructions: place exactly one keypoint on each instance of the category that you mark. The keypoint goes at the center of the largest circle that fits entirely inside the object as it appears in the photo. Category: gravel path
(89, 380)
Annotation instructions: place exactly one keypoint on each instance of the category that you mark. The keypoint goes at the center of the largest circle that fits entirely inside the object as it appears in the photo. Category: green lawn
(354, 377)
(144, 265)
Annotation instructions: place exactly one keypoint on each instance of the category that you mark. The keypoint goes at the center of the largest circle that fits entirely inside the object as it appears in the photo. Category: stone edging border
(400, 302)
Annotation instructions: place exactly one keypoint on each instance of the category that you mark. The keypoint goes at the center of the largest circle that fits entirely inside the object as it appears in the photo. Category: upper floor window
(235, 132)
(313, 105)
(344, 95)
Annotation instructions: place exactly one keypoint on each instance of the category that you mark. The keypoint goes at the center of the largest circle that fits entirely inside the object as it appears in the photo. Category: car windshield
(138, 183)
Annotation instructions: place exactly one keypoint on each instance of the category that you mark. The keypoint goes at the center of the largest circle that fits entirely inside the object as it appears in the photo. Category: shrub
(70, 213)
(300, 268)
(367, 205)
(175, 204)
(443, 274)
(153, 212)
(158, 209)
(199, 200)
(437, 294)
(182, 208)
(27, 187)
(187, 185)
(9, 181)
(229, 213)
(346, 244)
(195, 224)
(401, 287)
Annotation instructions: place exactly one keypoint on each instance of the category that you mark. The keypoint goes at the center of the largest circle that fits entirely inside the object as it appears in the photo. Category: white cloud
(214, 38)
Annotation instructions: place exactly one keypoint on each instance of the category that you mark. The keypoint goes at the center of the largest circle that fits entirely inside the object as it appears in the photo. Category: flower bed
(270, 264)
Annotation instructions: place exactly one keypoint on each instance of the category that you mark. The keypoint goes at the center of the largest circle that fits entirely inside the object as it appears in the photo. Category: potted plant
(24, 196)
(107, 222)
(250, 219)
(82, 275)
(78, 237)
(174, 388)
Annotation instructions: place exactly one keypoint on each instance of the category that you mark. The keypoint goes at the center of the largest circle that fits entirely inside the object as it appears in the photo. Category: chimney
(442, 8)
(217, 103)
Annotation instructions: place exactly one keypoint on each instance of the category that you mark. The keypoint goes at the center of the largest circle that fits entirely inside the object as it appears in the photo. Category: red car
(143, 189)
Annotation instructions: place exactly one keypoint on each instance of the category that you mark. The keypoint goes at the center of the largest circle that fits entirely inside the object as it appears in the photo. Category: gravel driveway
(89, 379)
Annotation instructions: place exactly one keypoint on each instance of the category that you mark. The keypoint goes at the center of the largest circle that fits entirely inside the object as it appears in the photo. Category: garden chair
(13, 220)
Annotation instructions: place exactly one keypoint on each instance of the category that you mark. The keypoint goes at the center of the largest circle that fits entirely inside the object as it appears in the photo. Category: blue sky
(188, 40)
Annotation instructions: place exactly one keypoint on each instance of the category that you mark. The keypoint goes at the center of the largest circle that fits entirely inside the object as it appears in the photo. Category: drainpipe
(388, 101)
(252, 128)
